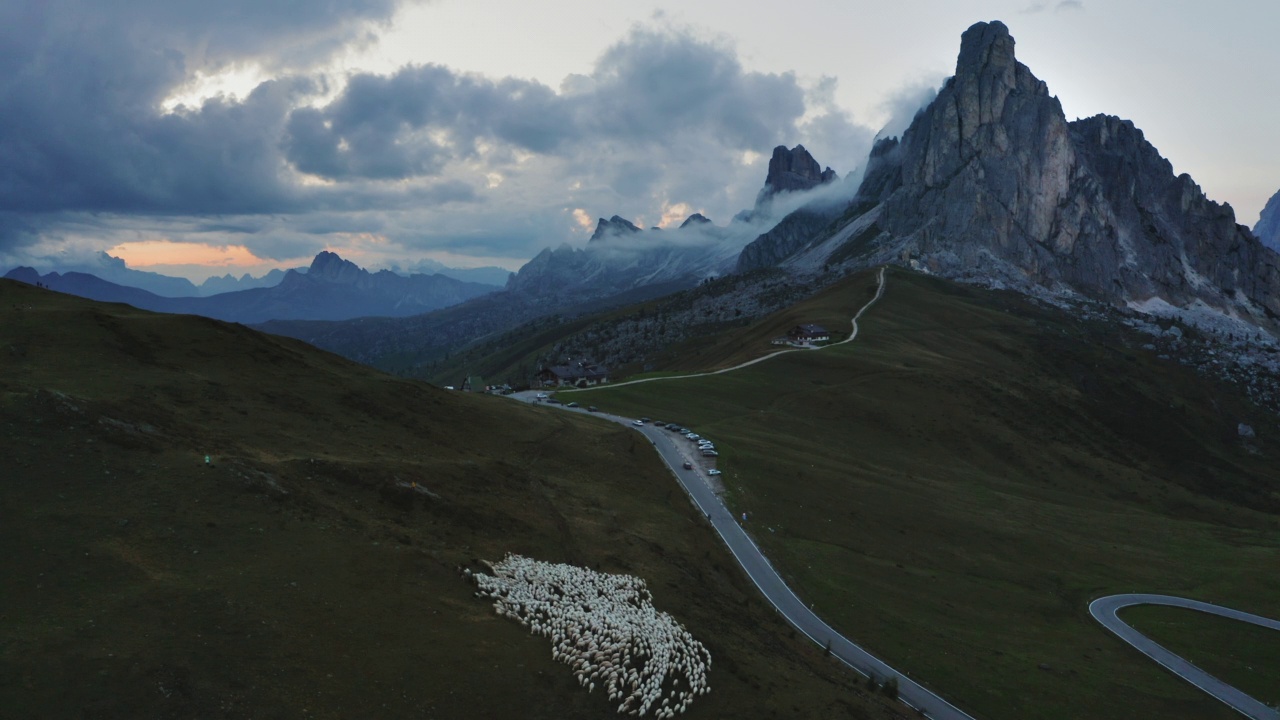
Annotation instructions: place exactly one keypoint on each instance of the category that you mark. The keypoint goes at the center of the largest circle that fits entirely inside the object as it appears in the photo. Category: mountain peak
(695, 219)
(614, 226)
(329, 266)
(793, 170)
(986, 45)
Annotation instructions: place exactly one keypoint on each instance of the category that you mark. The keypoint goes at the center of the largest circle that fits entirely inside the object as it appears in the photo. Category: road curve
(1104, 610)
(853, 333)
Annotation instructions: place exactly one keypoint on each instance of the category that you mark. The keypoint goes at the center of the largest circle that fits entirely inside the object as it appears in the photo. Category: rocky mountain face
(1268, 227)
(786, 238)
(992, 183)
(789, 171)
(620, 257)
(794, 170)
(331, 289)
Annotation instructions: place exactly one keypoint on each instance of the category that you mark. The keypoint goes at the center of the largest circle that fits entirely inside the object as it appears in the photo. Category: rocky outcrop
(990, 182)
(792, 171)
(614, 227)
(695, 220)
(1268, 227)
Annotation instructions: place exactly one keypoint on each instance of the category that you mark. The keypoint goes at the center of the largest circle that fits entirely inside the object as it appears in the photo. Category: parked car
(571, 404)
(553, 401)
(688, 465)
(707, 452)
(693, 436)
(659, 423)
(540, 396)
(644, 419)
(713, 471)
(637, 423)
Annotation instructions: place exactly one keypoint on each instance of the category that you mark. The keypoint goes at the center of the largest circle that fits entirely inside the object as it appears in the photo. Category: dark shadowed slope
(304, 571)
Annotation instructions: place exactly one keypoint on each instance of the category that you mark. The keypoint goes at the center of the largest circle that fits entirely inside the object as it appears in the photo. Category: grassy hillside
(298, 576)
(683, 329)
(955, 486)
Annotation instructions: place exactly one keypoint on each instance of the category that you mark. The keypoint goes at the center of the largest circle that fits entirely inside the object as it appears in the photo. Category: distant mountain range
(989, 184)
(330, 289)
(620, 256)
(114, 270)
(621, 264)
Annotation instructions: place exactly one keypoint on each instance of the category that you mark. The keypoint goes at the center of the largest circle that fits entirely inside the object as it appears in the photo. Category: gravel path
(853, 333)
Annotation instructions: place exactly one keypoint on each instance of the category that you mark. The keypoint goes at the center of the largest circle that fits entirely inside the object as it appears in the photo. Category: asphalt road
(1104, 611)
(675, 450)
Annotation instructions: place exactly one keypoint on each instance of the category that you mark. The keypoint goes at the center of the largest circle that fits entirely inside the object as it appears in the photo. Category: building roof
(809, 329)
(577, 371)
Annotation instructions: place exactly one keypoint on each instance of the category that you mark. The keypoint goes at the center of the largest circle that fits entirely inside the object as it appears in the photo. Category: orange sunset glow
(148, 253)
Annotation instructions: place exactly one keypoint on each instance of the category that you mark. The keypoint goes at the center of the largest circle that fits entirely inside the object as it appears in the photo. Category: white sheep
(605, 628)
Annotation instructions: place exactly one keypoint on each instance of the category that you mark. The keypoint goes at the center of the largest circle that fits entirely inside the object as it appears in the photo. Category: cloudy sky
(197, 137)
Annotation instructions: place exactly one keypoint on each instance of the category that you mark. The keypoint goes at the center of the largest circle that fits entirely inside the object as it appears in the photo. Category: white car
(713, 471)
(637, 423)
(693, 436)
(541, 396)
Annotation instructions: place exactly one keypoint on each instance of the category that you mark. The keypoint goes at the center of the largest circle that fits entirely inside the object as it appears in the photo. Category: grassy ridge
(297, 577)
(954, 487)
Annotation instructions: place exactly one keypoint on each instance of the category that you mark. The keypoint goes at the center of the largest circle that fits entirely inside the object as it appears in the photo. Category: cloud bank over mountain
(424, 159)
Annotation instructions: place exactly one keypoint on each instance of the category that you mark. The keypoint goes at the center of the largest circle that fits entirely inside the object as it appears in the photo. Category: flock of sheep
(606, 628)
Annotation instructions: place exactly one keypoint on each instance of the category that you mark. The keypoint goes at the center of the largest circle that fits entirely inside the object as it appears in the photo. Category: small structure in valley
(804, 336)
(573, 373)
(808, 334)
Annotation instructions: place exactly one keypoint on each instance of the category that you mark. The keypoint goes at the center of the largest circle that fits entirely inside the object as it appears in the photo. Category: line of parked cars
(705, 446)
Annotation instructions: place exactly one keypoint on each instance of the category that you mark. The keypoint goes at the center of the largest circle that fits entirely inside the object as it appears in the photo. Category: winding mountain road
(698, 485)
(704, 495)
(853, 333)
(1104, 610)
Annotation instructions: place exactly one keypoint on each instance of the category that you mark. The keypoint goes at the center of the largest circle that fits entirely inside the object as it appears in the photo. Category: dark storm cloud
(381, 126)
(86, 148)
(81, 84)
(644, 91)
(656, 84)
